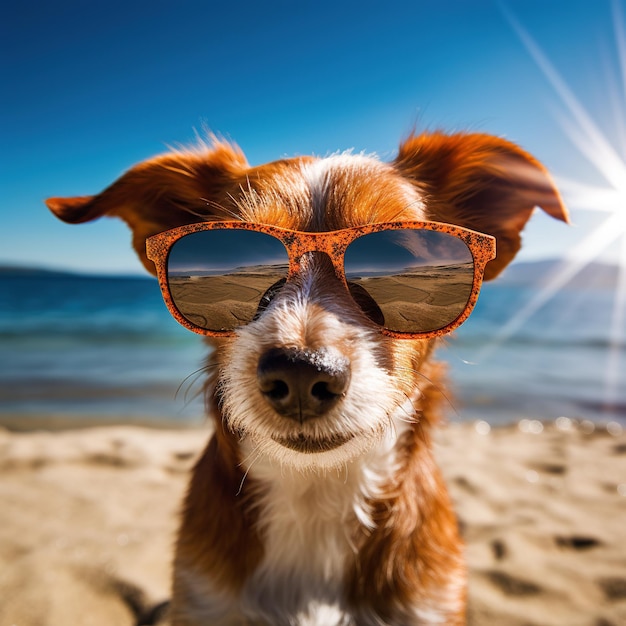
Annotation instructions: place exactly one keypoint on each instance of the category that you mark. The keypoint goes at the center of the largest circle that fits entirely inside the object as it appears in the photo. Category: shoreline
(89, 518)
(60, 421)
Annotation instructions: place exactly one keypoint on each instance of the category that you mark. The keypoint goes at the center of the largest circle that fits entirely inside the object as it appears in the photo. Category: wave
(92, 337)
(529, 341)
(165, 332)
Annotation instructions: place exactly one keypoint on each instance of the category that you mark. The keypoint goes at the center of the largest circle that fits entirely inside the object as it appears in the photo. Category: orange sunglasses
(413, 279)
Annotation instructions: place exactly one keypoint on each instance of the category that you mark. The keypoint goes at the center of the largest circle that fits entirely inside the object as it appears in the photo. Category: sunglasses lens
(219, 278)
(421, 280)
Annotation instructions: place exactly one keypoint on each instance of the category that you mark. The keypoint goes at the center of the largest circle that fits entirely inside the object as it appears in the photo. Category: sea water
(90, 349)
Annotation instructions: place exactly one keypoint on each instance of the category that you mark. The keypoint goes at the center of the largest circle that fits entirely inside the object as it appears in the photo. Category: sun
(610, 199)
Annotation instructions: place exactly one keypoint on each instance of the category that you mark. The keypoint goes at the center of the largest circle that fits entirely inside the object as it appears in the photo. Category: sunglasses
(412, 279)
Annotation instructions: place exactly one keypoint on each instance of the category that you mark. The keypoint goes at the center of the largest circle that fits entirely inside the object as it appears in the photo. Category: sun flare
(609, 161)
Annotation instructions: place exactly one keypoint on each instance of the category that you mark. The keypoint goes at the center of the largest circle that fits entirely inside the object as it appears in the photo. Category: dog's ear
(480, 182)
(164, 192)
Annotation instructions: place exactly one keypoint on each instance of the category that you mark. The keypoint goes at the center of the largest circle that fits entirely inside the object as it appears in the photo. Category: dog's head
(312, 381)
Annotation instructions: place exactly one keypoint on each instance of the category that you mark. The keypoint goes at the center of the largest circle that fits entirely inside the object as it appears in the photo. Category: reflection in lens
(217, 278)
(421, 280)
(269, 295)
(366, 303)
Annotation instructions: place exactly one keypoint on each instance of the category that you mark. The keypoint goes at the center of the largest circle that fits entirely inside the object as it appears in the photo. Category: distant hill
(593, 275)
(34, 272)
(16, 270)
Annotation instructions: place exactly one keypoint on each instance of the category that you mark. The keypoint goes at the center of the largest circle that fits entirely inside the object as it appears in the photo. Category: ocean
(77, 350)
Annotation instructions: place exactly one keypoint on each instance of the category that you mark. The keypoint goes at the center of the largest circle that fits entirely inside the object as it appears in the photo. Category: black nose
(301, 384)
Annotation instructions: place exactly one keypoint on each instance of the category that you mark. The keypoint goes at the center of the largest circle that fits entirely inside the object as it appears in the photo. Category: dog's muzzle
(302, 384)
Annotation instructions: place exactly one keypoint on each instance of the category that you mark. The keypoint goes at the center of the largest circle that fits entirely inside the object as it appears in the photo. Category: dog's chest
(309, 527)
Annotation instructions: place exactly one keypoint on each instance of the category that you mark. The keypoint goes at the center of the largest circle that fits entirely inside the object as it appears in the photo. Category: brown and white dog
(354, 526)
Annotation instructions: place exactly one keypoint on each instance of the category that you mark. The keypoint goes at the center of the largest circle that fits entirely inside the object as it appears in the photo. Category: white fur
(320, 177)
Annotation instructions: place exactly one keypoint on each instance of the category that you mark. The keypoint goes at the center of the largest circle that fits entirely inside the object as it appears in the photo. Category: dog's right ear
(164, 192)
(482, 182)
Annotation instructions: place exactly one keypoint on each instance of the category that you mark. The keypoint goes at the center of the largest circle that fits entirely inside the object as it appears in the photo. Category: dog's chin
(307, 454)
(307, 445)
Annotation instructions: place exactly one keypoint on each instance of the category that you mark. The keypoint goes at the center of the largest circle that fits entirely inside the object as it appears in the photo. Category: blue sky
(92, 88)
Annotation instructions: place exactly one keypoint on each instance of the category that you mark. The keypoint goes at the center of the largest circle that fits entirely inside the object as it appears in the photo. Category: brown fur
(416, 542)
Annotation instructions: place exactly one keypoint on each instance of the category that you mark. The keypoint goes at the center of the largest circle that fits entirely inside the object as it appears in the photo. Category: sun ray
(616, 103)
(590, 197)
(593, 148)
(576, 259)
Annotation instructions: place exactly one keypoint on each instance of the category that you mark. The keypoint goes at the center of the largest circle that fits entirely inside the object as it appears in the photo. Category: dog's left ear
(161, 193)
(480, 182)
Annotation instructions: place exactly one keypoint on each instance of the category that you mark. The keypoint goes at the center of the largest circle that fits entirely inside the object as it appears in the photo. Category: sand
(87, 520)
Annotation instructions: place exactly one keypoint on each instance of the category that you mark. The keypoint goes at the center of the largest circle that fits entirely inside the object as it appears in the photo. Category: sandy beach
(88, 518)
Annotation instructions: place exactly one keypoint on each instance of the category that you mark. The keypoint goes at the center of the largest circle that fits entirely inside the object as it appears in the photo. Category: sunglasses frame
(334, 244)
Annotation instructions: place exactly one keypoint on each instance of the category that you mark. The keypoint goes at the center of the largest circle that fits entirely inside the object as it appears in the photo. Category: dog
(317, 500)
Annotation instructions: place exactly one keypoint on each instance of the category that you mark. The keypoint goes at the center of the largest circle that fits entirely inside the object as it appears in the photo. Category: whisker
(392, 426)
(257, 453)
(436, 386)
(196, 375)
(411, 418)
